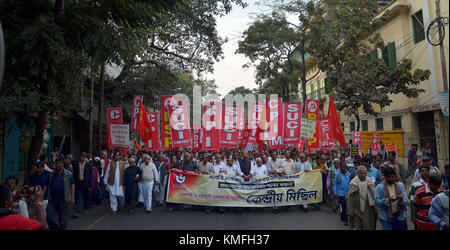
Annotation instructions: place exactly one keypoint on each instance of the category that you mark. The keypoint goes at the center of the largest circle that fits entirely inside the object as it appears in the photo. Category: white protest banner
(120, 135)
(307, 129)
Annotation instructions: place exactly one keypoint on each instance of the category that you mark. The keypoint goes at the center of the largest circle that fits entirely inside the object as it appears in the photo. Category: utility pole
(443, 63)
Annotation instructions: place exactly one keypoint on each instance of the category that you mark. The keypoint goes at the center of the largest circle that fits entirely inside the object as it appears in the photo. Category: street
(100, 218)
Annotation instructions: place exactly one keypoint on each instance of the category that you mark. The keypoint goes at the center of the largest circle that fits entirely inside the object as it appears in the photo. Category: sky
(229, 73)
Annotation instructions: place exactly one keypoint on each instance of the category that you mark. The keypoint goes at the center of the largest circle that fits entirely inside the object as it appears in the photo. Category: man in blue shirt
(390, 197)
(39, 178)
(61, 194)
(341, 181)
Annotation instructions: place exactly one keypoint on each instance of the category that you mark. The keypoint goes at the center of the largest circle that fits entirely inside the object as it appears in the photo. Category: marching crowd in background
(365, 189)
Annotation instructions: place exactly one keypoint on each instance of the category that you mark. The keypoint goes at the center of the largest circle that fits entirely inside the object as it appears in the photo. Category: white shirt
(233, 170)
(302, 166)
(218, 167)
(259, 171)
(273, 164)
(433, 169)
(115, 189)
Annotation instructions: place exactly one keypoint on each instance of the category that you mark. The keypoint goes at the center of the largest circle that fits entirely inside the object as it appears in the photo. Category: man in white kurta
(114, 181)
(149, 177)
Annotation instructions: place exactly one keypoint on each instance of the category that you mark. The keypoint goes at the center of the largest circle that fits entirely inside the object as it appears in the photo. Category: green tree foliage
(269, 43)
(345, 41)
(49, 48)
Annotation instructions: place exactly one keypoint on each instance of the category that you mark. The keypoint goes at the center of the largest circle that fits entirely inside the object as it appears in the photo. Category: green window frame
(352, 126)
(396, 122)
(364, 125)
(389, 55)
(327, 86)
(418, 27)
(379, 124)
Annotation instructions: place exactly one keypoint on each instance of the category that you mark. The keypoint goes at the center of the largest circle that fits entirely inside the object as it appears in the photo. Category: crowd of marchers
(366, 190)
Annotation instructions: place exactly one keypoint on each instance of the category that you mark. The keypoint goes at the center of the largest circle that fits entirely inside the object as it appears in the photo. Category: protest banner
(390, 147)
(212, 122)
(196, 139)
(153, 142)
(257, 114)
(137, 100)
(375, 144)
(273, 133)
(179, 123)
(308, 128)
(385, 136)
(292, 122)
(357, 139)
(120, 135)
(245, 135)
(354, 150)
(312, 109)
(326, 134)
(166, 136)
(232, 191)
(114, 116)
(229, 134)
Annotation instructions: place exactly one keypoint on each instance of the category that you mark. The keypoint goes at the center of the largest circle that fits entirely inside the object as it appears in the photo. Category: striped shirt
(422, 204)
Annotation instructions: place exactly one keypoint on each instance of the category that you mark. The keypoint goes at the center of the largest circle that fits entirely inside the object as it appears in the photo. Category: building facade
(406, 121)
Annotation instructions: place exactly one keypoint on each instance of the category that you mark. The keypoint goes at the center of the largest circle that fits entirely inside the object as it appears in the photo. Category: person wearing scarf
(361, 204)
(390, 197)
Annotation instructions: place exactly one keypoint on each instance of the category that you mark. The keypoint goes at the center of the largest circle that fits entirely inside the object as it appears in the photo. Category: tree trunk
(100, 106)
(36, 142)
(357, 121)
(303, 77)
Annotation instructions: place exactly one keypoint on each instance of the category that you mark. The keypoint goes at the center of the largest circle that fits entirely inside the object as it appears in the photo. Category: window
(365, 125)
(352, 126)
(327, 88)
(343, 128)
(319, 90)
(396, 122)
(388, 54)
(379, 124)
(418, 29)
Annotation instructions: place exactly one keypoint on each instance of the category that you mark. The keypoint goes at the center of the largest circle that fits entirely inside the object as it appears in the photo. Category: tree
(241, 91)
(345, 46)
(269, 43)
(49, 48)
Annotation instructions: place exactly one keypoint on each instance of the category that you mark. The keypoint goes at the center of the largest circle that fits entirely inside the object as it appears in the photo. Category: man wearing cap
(68, 162)
(429, 162)
(82, 174)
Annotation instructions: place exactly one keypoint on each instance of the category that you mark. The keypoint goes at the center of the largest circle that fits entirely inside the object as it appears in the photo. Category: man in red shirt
(9, 221)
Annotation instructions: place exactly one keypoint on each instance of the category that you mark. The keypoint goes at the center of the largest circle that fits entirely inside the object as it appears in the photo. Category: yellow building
(409, 121)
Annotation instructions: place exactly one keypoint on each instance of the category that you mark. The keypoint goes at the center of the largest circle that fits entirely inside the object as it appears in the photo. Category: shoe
(114, 212)
(76, 215)
(170, 209)
(148, 211)
(207, 211)
(221, 210)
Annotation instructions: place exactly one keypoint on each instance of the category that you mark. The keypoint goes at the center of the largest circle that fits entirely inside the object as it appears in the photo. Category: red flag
(137, 101)
(136, 145)
(336, 123)
(375, 144)
(327, 137)
(143, 126)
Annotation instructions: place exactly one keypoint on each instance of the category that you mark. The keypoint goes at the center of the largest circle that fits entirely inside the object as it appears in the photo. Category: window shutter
(385, 55)
(392, 55)
(319, 90)
(327, 86)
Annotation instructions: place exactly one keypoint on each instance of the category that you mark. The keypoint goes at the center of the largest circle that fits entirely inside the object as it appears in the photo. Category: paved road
(100, 218)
